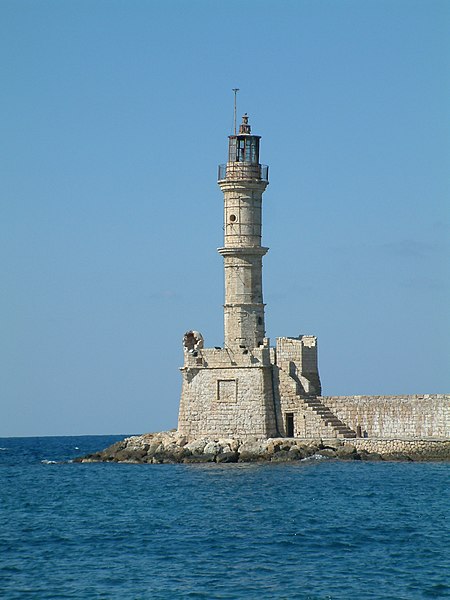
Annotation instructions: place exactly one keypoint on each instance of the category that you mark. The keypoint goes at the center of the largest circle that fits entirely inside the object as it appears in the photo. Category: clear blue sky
(114, 115)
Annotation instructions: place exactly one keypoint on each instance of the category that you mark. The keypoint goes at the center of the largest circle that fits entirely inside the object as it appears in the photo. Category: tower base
(249, 393)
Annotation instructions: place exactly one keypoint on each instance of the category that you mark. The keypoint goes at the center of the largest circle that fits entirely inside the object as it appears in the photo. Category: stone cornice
(242, 184)
(243, 250)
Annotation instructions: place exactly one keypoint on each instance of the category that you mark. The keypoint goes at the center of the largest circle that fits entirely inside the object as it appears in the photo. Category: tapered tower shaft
(243, 180)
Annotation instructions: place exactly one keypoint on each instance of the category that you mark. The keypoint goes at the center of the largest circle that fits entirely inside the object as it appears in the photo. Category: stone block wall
(417, 416)
(222, 399)
(419, 449)
(306, 423)
(215, 358)
(263, 392)
(298, 358)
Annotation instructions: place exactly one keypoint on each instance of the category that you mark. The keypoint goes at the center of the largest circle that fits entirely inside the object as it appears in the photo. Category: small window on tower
(232, 151)
(248, 153)
(232, 218)
(240, 150)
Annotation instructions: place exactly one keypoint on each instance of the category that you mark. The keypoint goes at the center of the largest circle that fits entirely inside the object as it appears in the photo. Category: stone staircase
(291, 386)
(328, 417)
(327, 423)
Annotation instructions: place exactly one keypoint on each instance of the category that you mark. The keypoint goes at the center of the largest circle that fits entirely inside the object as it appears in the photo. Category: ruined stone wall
(419, 416)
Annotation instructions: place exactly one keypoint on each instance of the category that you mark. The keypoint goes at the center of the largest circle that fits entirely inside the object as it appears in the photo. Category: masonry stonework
(248, 389)
(414, 416)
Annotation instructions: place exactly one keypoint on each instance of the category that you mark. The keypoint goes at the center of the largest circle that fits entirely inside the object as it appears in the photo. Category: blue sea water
(313, 530)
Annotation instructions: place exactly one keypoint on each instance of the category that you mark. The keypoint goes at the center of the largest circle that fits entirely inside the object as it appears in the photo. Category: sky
(114, 115)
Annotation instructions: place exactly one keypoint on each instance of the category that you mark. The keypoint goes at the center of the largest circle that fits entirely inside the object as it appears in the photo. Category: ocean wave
(49, 462)
(314, 457)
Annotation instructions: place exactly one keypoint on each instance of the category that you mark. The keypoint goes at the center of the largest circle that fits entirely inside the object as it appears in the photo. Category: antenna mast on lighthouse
(235, 90)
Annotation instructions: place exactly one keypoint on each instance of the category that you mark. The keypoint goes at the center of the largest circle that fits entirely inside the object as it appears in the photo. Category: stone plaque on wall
(227, 390)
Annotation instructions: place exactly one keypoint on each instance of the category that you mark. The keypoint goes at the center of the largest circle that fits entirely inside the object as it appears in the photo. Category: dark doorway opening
(289, 424)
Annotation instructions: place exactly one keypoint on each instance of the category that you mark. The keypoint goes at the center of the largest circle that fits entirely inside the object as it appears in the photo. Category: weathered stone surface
(253, 450)
(334, 444)
(196, 446)
(304, 451)
(130, 454)
(153, 448)
(327, 453)
(419, 416)
(212, 448)
(347, 452)
(397, 456)
(284, 455)
(417, 449)
(227, 457)
(295, 453)
(232, 443)
(373, 456)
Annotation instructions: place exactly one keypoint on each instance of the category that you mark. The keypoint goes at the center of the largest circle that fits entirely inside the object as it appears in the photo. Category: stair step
(326, 415)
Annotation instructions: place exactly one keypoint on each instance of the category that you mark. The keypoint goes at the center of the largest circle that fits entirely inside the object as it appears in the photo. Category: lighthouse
(247, 388)
(243, 180)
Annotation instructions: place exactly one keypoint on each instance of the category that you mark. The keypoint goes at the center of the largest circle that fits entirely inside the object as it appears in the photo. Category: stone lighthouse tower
(243, 181)
(247, 388)
(229, 391)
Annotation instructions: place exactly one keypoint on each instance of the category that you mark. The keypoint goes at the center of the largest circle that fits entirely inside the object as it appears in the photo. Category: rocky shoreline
(171, 447)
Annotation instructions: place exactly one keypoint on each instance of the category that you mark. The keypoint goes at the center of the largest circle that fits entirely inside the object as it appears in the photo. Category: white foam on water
(314, 457)
(49, 462)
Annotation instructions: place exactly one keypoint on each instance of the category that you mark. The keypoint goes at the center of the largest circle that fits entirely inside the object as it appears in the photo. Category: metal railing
(242, 170)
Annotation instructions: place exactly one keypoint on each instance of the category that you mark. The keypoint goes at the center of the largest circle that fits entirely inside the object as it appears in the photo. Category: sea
(316, 529)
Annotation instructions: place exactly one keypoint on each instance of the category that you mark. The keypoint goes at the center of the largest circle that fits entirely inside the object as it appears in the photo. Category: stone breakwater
(172, 447)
